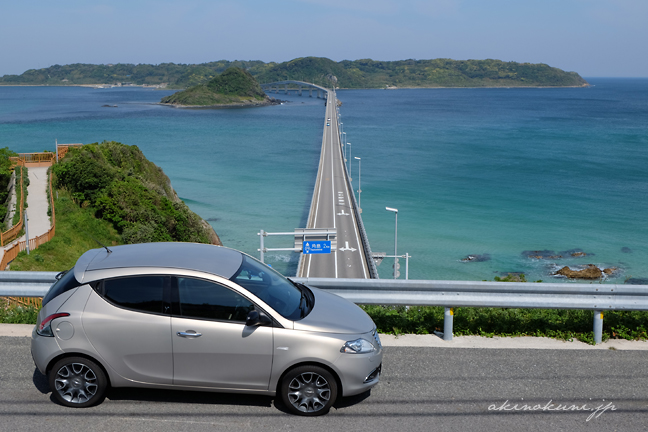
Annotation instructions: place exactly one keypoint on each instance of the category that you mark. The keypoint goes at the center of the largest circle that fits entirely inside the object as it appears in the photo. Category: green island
(364, 73)
(109, 193)
(234, 87)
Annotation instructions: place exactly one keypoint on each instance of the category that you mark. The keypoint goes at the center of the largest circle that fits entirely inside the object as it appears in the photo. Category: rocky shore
(242, 104)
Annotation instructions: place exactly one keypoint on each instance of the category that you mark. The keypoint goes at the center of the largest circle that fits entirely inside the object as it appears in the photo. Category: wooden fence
(62, 149)
(36, 302)
(35, 159)
(11, 234)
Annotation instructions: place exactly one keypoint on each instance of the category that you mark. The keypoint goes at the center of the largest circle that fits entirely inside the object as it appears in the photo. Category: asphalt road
(421, 389)
(331, 208)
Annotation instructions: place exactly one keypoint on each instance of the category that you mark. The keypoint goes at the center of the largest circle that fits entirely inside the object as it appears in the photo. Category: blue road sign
(316, 247)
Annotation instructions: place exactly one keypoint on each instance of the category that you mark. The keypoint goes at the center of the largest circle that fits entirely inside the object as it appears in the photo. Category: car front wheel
(77, 382)
(308, 390)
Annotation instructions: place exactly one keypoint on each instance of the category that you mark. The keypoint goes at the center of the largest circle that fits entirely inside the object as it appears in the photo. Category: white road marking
(347, 248)
(333, 193)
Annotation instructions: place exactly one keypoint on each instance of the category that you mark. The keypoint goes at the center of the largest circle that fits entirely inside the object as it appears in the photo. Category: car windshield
(289, 300)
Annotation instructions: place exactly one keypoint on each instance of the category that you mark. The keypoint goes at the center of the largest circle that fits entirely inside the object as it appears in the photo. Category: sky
(596, 38)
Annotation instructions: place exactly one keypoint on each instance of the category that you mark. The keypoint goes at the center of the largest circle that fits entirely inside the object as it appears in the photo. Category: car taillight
(45, 327)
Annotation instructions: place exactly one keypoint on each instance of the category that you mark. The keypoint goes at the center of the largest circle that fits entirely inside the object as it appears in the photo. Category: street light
(350, 167)
(395, 237)
(344, 144)
(359, 185)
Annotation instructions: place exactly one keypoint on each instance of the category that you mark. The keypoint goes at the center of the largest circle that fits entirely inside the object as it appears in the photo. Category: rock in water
(590, 272)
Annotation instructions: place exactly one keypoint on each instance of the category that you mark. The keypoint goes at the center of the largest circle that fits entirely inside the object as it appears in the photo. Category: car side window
(199, 298)
(141, 293)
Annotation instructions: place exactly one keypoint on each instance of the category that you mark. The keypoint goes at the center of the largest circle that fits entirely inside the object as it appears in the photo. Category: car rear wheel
(77, 382)
(309, 390)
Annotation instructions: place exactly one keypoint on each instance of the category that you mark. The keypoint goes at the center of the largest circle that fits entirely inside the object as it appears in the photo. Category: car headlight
(358, 346)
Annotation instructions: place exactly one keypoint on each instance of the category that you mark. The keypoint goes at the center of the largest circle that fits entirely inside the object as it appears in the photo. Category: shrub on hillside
(134, 194)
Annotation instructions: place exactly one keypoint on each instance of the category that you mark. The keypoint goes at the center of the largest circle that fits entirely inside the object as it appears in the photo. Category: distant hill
(349, 73)
(234, 87)
(421, 73)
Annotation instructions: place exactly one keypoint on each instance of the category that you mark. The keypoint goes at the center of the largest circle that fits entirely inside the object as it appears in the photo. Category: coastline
(467, 87)
(156, 87)
(246, 104)
(97, 86)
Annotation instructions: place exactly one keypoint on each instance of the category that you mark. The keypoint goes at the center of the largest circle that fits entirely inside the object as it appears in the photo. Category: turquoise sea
(493, 173)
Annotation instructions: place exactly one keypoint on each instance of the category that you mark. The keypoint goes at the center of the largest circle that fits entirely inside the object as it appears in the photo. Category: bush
(129, 191)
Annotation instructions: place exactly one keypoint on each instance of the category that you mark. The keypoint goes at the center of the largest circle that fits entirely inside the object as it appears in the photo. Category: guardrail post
(598, 326)
(261, 235)
(448, 317)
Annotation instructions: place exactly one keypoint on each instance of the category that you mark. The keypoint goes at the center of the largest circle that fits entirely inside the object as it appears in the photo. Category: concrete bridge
(333, 206)
(298, 86)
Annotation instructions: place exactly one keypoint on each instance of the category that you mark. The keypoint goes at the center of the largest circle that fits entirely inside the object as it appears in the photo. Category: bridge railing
(371, 264)
(449, 294)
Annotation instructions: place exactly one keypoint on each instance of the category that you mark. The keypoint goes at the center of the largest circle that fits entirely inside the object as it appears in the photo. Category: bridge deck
(333, 207)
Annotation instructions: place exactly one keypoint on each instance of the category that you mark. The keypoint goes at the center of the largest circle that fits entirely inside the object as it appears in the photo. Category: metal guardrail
(450, 294)
(25, 283)
(486, 294)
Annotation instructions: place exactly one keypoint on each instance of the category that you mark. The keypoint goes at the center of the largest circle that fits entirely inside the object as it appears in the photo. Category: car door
(212, 346)
(127, 321)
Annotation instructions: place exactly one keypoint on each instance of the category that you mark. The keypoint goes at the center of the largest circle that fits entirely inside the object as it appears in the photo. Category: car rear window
(65, 283)
(140, 293)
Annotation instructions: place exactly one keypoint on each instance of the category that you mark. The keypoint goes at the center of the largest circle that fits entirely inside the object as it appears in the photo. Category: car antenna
(100, 244)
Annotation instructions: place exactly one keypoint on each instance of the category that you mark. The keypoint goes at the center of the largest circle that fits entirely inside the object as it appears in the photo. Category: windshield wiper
(305, 298)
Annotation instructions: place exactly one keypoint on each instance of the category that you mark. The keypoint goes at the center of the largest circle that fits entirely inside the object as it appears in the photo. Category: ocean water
(489, 172)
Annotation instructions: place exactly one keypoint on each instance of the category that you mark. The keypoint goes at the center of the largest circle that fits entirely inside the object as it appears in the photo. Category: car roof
(217, 260)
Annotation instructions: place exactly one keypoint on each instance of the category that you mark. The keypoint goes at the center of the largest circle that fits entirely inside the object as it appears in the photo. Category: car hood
(333, 314)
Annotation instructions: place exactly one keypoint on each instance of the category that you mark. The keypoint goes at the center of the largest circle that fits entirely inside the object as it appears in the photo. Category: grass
(489, 322)
(18, 314)
(75, 229)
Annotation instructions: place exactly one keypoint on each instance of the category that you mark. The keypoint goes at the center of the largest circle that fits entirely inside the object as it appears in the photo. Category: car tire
(77, 382)
(309, 390)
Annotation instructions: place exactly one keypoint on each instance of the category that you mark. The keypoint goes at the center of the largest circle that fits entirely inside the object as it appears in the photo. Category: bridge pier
(285, 88)
(300, 90)
(310, 91)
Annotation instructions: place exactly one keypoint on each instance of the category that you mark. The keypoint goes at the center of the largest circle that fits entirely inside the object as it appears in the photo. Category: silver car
(200, 317)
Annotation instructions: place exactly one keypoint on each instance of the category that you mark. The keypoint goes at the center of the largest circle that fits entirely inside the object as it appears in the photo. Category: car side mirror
(256, 318)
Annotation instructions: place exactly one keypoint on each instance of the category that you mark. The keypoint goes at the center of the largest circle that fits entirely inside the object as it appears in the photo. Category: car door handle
(189, 333)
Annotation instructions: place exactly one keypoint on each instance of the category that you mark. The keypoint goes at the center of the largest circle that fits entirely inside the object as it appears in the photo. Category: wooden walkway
(41, 229)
